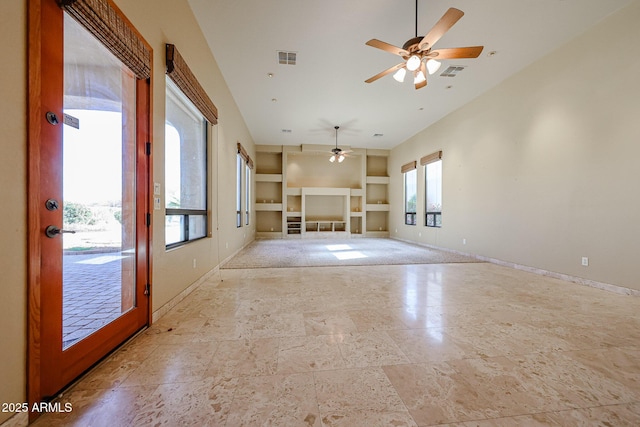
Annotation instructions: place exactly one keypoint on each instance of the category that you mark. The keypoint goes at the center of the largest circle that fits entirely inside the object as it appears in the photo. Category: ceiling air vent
(452, 71)
(286, 58)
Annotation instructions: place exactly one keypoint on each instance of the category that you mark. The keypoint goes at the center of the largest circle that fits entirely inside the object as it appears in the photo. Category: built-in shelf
(382, 207)
(296, 195)
(294, 225)
(377, 180)
(268, 177)
(325, 226)
(268, 206)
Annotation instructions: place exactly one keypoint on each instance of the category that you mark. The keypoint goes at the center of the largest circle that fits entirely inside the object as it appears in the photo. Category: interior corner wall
(542, 170)
(172, 21)
(13, 191)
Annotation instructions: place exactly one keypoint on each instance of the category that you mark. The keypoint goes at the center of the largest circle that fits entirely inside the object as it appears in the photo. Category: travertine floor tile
(359, 397)
(370, 349)
(275, 400)
(453, 344)
(240, 358)
(328, 323)
(306, 354)
(436, 393)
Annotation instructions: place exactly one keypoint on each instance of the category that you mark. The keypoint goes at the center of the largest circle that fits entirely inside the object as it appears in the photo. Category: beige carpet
(281, 253)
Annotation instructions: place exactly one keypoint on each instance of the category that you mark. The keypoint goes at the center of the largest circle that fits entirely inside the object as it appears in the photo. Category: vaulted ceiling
(301, 104)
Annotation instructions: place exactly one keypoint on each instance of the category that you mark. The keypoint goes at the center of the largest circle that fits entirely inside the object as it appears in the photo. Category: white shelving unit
(298, 195)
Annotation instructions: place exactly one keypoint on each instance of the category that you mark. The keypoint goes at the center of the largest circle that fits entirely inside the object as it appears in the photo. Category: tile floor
(456, 344)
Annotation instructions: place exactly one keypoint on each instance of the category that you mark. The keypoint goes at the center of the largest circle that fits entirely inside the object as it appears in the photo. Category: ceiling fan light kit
(417, 52)
(399, 75)
(338, 153)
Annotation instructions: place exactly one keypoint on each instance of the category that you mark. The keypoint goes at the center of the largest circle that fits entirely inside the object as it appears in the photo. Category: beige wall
(159, 22)
(543, 169)
(169, 21)
(13, 184)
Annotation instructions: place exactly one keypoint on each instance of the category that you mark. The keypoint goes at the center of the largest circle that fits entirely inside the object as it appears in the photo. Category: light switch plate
(156, 188)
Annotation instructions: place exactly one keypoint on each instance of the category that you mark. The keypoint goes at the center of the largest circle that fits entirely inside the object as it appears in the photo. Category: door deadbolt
(52, 231)
(52, 205)
(52, 118)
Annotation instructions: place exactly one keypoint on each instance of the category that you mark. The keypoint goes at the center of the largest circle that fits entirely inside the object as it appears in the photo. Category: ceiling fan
(338, 153)
(419, 58)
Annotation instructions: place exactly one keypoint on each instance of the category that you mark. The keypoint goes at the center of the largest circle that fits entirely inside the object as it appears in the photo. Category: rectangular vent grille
(286, 58)
(452, 71)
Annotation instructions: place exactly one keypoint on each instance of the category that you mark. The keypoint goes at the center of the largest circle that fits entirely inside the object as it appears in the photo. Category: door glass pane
(98, 186)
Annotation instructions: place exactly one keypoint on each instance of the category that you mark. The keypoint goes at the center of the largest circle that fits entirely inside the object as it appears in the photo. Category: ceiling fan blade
(387, 47)
(447, 21)
(385, 72)
(423, 68)
(456, 52)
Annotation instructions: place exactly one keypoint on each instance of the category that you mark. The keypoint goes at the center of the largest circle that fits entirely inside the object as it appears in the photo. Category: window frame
(432, 218)
(247, 196)
(239, 174)
(410, 217)
(173, 90)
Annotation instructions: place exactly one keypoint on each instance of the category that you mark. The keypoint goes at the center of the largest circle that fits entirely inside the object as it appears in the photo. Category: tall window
(244, 164)
(239, 165)
(433, 189)
(185, 169)
(189, 111)
(410, 192)
(247, 193)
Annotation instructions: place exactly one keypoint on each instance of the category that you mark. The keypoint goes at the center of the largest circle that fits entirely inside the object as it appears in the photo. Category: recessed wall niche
(313, 197)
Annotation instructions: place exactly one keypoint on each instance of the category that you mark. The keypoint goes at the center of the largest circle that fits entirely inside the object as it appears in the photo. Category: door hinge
(147, 148)
(147, 289)
(148, 220)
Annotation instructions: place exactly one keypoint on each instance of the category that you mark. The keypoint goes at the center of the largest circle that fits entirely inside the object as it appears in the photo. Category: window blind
(408, 166)
(430, 158)
(180, 73)
(243, 153)
(103, 19)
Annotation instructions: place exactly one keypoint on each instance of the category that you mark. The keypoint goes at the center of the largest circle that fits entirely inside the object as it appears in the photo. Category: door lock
(51, 204)
(52, 118)
(52, 231)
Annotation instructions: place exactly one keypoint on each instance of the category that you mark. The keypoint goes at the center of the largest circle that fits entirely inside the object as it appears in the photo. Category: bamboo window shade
(430, 158)
(103, 19)
(408, 167)
(243, 153)
(180, 73)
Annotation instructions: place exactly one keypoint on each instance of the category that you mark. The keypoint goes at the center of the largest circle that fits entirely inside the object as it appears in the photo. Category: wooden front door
(88, 211)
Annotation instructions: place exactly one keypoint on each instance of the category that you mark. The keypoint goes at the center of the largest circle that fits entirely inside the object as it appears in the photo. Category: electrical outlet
(585, 261)
(194, 263)
(464, 241)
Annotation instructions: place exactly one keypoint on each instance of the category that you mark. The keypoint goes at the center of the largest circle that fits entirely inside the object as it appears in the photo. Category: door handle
(52, 231)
